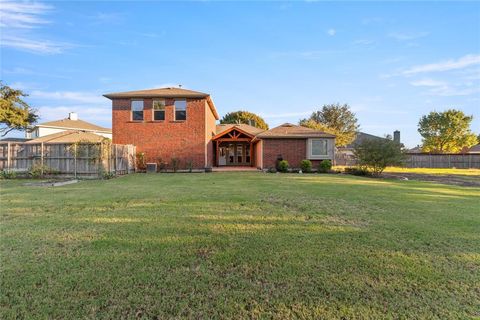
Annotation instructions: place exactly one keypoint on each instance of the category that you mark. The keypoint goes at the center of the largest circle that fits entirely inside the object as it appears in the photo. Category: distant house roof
(417, 149)
(170, 92)
(362, 136)
(474, 149)
(245, 127)
(13, 140)
(74, 124)
(69, 136)
(158, 93)
(289, 130)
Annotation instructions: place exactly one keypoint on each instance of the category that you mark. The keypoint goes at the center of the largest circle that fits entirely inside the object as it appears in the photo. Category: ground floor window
(318, 148)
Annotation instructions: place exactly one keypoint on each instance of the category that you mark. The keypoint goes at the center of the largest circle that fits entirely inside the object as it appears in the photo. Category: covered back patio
(234, 147)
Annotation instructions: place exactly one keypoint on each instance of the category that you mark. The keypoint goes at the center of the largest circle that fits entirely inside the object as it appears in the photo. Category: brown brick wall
(292, 150)
(166, 139)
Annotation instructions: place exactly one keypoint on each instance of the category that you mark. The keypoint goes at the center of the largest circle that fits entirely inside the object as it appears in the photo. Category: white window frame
(175, 109)
(153, 109)
(317, 156)
(131, 109)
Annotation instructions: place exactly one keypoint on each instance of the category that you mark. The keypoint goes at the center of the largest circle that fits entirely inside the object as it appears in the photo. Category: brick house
(169, 123)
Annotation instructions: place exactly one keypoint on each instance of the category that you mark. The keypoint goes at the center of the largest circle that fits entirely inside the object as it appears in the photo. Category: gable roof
(74, 124)
(244, 127)
(69, 136)
(362, 136)
(169, 92)
(289, 130)
(474, 149)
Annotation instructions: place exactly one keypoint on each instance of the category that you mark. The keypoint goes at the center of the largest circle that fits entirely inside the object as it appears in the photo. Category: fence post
(41, 158)
(75, 160)
(8, 157)
(449, 161)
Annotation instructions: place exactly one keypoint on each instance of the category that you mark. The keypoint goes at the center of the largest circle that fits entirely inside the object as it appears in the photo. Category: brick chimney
(396, 136)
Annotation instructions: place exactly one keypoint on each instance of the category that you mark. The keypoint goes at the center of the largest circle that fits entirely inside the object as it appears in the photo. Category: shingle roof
(474, 149)
(165, 93)
(70, 136)
(288, 130)
(74, 124)
(158, 93)
(362, 136)
(245, 127)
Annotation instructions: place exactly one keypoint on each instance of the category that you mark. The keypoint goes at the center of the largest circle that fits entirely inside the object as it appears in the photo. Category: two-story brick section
(169, 123)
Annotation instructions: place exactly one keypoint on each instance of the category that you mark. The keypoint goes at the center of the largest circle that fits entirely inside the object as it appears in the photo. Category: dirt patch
(451, 179)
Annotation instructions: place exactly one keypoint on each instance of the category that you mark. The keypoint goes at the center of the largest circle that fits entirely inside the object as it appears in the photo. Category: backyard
(240, 245)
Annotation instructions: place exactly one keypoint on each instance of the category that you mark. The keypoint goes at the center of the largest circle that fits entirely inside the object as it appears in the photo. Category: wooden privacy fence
(68, 159)
(460, 161)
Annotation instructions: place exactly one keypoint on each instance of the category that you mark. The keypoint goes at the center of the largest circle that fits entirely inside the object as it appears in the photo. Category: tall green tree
(445, 132)
(335, 119)
(246, 118)
(15, 113)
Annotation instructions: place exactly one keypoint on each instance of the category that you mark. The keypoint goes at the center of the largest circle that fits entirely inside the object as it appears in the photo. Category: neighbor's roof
(288, 130)
(158, 93)
(74, 124)
(14, 140)
(361, 137)
(170, 92)
(474, 149)
(70, 136)
(245, 127)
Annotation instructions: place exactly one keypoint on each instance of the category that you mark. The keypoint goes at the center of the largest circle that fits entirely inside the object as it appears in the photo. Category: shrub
(357, 171)
(175, 164)
(4, 174)
(38, 171)
(325, 166)
(161, 165)
(140, 161)
(306, 165)
(272, 170)
(283, 166)
(190, 165)
(376, 154)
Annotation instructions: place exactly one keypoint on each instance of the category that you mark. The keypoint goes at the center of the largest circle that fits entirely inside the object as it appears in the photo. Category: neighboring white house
(68, 124)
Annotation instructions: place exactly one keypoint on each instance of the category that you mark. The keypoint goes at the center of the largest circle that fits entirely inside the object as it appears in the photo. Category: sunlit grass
(239, 245)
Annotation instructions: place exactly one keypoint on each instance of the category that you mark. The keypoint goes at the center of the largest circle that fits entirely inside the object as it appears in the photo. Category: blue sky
(391, 62)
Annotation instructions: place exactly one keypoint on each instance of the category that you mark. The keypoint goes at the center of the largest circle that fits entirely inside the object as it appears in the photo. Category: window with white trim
(180, 109)
(137, 110)
(318, 148)
(159, 109)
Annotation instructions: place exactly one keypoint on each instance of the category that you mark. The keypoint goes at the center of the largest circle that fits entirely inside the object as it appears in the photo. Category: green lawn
(240, 245)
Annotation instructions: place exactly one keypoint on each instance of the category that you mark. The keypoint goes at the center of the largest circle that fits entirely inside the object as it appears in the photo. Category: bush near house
(306, 165)
(283, 166)
(325, 166)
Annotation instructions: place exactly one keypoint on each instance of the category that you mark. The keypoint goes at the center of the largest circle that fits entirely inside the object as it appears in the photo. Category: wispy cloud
(331, 32)
(35, 46)
(25, 15)
(427, 83)
(72, 96)
(452, 64)
(19, 19)
(100, 114)
(402, 36)
(446, 89)
(25, 71)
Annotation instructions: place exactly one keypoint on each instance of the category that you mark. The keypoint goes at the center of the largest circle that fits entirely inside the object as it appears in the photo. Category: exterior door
(234, 154)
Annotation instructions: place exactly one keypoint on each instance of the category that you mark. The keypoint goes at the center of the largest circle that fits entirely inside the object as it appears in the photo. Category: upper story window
(318, 148)
(159, 109)
(137, 110)
(181, 109)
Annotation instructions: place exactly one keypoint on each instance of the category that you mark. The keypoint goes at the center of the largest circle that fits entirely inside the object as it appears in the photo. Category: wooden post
(75, 160)
(8, 157)
(41, 158)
